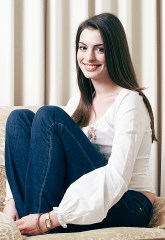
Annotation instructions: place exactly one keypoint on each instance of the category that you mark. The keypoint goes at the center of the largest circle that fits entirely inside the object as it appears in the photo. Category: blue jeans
(46, 152)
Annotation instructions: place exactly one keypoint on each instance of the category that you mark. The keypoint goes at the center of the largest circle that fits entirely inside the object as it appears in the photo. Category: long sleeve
(88, 199)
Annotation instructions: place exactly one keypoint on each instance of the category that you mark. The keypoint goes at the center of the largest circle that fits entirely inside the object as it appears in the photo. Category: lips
(91, 67)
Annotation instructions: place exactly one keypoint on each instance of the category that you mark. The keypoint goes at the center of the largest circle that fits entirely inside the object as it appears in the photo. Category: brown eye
(100, 50)
(82, 48)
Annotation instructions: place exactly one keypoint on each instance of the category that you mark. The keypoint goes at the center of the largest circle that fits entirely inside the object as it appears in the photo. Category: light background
(37, 54)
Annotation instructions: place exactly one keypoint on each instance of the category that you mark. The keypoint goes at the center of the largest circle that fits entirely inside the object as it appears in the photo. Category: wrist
(10, 200)
(54, 219)
(42, 225)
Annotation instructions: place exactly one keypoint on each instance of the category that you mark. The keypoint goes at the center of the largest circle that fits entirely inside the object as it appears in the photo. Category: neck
(103, 89)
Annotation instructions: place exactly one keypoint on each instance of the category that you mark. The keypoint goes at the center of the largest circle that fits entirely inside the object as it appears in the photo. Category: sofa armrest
(8, 229)
(158, 217)
(2, 186)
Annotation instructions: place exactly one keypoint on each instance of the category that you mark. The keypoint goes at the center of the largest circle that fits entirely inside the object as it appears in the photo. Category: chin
(90, 75)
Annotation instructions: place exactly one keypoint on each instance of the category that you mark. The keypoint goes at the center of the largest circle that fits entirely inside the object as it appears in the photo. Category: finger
(19, 221)
(23, 237)
(19, 225)
(21, 228)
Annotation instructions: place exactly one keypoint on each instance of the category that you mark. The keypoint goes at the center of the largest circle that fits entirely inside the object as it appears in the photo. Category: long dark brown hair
(118, 62)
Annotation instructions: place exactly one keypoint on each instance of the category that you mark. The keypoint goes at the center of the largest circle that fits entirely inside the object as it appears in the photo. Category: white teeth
(91, 66)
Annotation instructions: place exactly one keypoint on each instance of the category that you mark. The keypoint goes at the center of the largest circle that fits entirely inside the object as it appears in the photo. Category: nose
(90, 55)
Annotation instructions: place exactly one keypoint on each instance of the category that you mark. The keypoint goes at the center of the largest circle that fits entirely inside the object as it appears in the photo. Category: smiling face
(90, 55)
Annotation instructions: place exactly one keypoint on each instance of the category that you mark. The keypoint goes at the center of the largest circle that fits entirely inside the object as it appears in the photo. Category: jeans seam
(47, 169)
(60, 124)
(49, 158)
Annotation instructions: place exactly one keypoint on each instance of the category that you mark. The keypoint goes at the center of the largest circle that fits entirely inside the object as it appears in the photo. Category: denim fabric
(46, 152)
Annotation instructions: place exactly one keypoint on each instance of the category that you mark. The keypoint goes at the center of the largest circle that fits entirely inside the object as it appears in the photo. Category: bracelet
(48, 222)
(37, 224)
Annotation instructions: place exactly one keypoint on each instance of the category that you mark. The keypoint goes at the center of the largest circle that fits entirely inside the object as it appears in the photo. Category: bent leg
(60, 153)
(18, 133)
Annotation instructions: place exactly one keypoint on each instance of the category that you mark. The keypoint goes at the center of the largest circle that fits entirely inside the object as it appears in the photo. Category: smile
(91, 67)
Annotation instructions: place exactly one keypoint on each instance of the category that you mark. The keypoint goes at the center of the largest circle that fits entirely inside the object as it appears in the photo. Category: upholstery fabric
(158, 218)
(108, 234)
(2, 186)
(8, 229)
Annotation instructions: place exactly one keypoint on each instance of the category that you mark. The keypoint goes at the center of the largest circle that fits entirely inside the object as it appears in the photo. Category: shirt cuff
(60, 218)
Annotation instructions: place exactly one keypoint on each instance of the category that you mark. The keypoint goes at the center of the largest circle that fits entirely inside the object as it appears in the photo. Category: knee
(48, 110)
(18, 115)
(49, 113)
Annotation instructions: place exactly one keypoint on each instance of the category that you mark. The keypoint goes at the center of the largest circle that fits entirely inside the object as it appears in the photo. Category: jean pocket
(142, 207)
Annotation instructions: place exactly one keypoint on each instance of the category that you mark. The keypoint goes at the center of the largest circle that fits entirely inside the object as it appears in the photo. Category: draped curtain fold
(37, 54)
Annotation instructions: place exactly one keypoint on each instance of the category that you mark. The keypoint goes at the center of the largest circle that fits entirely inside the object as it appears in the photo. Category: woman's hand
(10, 209)
(27, 224)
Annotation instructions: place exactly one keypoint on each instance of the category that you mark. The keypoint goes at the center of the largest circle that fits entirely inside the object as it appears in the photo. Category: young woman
(90, 170)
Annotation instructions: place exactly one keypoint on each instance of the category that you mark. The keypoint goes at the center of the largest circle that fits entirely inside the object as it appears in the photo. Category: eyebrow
(97, 45)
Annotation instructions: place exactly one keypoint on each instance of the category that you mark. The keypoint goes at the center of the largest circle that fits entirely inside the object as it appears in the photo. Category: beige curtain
(37, 54)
